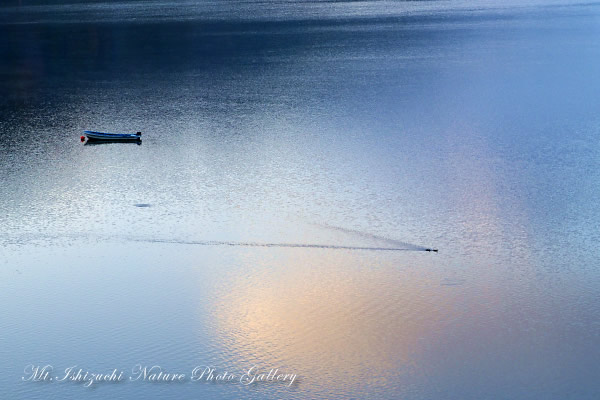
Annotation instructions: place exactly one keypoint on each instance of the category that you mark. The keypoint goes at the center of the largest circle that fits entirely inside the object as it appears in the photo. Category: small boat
(113, 137)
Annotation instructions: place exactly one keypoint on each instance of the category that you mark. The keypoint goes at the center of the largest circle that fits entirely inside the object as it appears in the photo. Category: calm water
(471, 127)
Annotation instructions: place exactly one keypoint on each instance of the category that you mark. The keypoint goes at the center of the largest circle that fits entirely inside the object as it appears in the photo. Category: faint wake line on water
(292, 245)
(393, 242)
(24, 239)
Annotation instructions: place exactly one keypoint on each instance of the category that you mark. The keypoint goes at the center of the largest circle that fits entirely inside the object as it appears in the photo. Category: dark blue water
(286, 146)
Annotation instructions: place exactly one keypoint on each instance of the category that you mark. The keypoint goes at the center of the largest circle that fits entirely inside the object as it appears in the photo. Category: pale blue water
(273, 133)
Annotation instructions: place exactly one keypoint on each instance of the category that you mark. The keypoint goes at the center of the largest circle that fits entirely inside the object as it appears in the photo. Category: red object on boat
(82, 138)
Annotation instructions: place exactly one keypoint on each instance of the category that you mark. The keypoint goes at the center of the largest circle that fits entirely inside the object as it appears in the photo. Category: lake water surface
(280, 139)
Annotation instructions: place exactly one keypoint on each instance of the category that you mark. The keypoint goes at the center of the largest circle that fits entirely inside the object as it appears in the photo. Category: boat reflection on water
(96, 142)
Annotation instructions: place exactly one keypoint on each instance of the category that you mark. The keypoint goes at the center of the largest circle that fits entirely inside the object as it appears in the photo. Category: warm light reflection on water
(341, 319)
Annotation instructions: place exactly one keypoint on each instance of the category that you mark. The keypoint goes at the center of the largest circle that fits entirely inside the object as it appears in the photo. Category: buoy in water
(82, 138)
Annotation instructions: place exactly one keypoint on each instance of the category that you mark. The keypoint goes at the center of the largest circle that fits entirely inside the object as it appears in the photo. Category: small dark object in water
(434, 250)
(142, 205)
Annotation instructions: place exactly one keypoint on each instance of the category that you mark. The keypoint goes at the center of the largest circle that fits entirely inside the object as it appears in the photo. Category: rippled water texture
(297, 159)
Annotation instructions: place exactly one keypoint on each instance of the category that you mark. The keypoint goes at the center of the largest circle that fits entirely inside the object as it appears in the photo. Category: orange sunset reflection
(336, 318)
